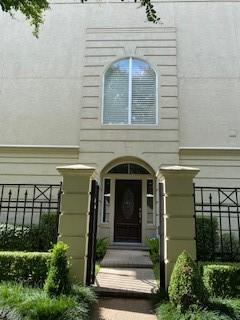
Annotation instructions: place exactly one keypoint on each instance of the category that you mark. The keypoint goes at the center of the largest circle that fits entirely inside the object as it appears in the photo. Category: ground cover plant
(24, 303)
(217, 309)
(58, 300)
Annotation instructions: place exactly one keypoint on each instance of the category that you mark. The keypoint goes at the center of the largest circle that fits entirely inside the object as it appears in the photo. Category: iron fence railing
(29, 216)
(217, 219)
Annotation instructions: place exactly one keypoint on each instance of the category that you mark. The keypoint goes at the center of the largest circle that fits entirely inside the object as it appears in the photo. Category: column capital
(76, 170)
(168, 171)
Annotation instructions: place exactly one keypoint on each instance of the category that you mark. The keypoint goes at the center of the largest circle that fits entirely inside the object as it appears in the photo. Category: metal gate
(161, 236)
(92, 233)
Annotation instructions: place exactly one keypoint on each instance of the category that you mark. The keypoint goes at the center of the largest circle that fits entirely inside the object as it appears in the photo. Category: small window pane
(143, 93)
(129, 168)
(116, 93)
(122, 168)
(150, 199)
(106, 200)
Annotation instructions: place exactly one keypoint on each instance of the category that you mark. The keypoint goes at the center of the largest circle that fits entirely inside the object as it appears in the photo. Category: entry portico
(127, 202)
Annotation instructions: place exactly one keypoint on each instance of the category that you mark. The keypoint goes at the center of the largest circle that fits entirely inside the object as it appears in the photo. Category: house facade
(105, 88)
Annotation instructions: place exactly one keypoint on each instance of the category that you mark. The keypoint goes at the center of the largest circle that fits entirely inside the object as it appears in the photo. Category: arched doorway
(128, 203)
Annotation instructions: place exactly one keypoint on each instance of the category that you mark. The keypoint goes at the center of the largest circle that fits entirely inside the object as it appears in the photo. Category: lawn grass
(218, 309)
(24, 303)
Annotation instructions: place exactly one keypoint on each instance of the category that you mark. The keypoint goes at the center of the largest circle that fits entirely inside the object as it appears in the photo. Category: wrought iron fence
(217, 219)
(29, 216)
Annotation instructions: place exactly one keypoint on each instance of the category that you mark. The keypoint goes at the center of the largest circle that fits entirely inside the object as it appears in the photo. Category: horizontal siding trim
(39, 149)
(224, 151)
(127, 30)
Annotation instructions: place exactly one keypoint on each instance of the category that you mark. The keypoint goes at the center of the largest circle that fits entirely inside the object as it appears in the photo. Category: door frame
(107, 228)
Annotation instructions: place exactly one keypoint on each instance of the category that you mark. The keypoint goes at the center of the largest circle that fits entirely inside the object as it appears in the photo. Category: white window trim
(129, 124)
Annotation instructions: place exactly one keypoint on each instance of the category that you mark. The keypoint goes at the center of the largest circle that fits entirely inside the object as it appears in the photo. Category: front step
(115, 258)
(118, 293)
(128, 247)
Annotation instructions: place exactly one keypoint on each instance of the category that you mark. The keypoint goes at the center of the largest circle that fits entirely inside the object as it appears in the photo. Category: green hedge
(221, 280)
(26, 267)
(207, 237)
(36, 238)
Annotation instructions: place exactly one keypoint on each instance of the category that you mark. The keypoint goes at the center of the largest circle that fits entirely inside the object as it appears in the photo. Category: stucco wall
(42, 83)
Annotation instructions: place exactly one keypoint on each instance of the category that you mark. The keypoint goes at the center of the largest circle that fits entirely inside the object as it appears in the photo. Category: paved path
(126, 273)
(123, 309)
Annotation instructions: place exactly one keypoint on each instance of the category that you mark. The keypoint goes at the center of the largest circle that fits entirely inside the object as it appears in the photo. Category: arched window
(129, 168)
(130, 93)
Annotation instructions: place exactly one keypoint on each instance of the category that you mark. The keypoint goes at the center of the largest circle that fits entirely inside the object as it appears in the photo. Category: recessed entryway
(127, 203)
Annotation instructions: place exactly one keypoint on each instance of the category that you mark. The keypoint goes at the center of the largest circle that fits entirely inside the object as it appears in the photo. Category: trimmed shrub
(221, 280)
(18, 238)
(26, 238)
(153, 244)
(30, 268)
(57, 281)
(207, 237)
(101, 248)
(48, 230)
(230, 247)
(186, 286)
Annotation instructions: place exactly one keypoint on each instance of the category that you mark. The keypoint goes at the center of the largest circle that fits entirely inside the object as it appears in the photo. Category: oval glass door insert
(128, 204)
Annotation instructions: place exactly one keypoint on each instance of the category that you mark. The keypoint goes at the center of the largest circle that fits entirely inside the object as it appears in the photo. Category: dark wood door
(128, 211)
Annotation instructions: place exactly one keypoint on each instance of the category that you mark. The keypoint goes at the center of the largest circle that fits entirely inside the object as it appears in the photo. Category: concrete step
(120, 293)
(128, 247)
(126, 259)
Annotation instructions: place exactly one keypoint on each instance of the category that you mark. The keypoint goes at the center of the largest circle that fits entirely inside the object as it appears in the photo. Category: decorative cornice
(76, 170)
(49, 149)
(224, 151)
(178, 170)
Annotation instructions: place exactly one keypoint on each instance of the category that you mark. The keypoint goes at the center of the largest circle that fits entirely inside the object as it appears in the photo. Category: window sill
(130, 126)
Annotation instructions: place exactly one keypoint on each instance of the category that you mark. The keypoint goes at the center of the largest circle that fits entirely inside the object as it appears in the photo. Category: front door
(128, 211)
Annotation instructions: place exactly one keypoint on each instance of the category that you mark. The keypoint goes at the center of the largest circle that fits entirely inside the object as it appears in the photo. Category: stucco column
(178, 214)
(73, 225)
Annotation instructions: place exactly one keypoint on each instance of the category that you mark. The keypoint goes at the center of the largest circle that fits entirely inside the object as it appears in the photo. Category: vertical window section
(106, 200)
(143, 93)
(150, 201)
(116, 93)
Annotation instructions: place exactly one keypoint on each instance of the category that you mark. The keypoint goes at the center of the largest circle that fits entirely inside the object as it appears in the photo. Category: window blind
(143, 93)
(116, 93)
(130, 93)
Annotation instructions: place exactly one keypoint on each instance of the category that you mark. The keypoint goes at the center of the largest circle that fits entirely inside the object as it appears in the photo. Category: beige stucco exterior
(51, 92)
(73, 225)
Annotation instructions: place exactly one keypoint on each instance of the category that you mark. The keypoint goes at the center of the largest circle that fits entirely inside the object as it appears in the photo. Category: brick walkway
(123, 309)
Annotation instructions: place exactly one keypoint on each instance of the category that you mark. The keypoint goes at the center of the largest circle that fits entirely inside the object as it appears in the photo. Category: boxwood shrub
(30, 238)
(221, 280)
(207, 237)
(30, 268)
(186, 287)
